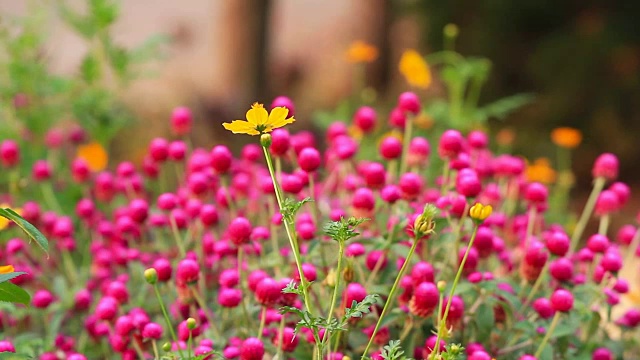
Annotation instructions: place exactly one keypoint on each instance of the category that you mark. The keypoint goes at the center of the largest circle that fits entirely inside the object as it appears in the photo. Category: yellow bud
(151, 276)
(330, 280)
(191, 323)
(480, 212)
(348, 273)
(451, 30)
(442, 285)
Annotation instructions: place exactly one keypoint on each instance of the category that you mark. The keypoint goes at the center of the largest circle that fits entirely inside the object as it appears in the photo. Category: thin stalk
(513, 348)
(243, 286)
(263, 317)
(50, 197)
(445, 177)
(531, 223)
(603, 227)
(155, 350)
(166, 318)
(631, 249)
(327, 337)
(138, 350)
(547, 336)
(280, 337)
(406, 141)
(190, 344)
(535, 287)
(200, 301)
(390, 298)
(598, 185)
(443, 321)
(176, 235)
(290, 234)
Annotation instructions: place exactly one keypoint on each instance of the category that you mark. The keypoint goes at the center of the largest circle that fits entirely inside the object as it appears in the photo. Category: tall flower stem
(535, 287)
(547, 336)
(531, 223)
(327, 337)
(263, 318)
(390, 298)
(289, 230)
(598, 185)
(176, 235)
(166, 318)
(406, 141)
(442, 324)
(603, 227)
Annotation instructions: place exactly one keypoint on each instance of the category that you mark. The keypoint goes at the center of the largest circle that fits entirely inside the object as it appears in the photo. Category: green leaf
(11, 356)
(31, 230)
(90, 69)
(12, 293)
(485, 321)
(501, 108)
(9, 276)
(103, 12)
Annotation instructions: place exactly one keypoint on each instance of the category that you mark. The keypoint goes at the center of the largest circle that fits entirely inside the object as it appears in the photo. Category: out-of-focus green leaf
(90, 69)
(12, 293)
(103, 13)
(499, 109)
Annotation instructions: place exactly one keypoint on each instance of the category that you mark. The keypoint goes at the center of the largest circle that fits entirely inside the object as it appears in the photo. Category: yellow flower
(361, 52)
(6, 269)
(259, 121)
(541, 171)
(415, 69)
(480, 212)
(94, 154)
(566, 137)
(423, 121)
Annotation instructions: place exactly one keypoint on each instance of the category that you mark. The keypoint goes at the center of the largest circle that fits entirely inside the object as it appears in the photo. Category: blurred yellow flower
(423, 121)
(259, 121)
(541, 171)
(415, 69)
(355, 132)
(566, 137)
(6, 269)
(94, 154)
(361, 52)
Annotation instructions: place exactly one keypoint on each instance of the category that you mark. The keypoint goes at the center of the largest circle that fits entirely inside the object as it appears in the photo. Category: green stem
(243, 286)
(263, 317)
(176, 235)
(280, 337)
(200, 301)
(603, 227)
(334, 297)
(406, 141)
(535, 287)
(598, 185)
(445, 177)
(49, 197)
(547, 336)
(390, 299)
(155, 350)
(443, 322)
(290, 234)
(531, 223)
(167, 319)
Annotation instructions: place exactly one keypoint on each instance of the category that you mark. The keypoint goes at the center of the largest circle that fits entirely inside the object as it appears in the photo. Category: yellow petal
(278, 114)
(257, 115)
(281, 122)
(241, 127)
(6, 269)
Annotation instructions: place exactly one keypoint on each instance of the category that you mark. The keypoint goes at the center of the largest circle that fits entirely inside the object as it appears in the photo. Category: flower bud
(265, 140)
(479, 212)
(151, 276)
(191, 323)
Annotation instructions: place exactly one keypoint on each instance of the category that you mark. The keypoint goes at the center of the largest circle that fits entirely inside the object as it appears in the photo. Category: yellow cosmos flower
(480, 212)
(566, 137)
(94, 154)
(415, 69)
(361, 52)
(259, 121)
(7, 269)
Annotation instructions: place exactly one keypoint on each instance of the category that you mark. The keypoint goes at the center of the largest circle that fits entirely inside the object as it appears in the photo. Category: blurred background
(581, 60)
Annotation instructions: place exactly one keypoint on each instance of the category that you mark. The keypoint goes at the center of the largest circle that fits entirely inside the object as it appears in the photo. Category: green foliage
(291, 207)
(393, 351)
(10, 292)
(343, 230)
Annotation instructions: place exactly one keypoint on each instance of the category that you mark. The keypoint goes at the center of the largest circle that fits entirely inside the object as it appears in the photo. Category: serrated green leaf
(13, 293)
(31, 230)
(11, 275)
